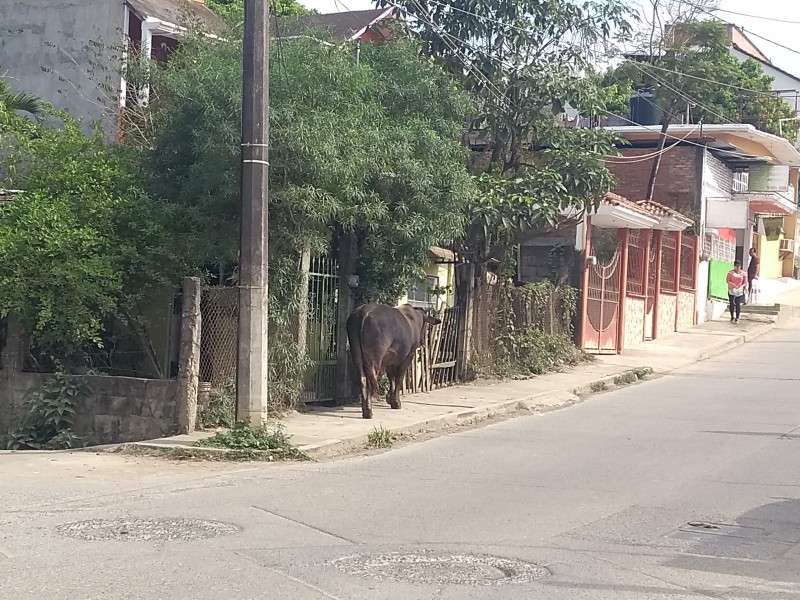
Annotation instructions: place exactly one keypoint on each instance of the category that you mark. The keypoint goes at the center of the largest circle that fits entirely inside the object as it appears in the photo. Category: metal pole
(251, 372)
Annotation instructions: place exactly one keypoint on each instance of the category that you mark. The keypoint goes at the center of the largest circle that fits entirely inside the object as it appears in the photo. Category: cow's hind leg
(393, 398)
(366, 408)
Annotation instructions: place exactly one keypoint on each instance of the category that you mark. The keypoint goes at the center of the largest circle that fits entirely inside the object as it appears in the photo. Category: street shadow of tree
(768, 551)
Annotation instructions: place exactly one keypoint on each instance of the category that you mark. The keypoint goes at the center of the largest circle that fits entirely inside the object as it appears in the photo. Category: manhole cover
(448, 569)
(146, 529)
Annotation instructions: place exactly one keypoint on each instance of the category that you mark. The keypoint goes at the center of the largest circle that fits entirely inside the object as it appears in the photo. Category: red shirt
(737, 281)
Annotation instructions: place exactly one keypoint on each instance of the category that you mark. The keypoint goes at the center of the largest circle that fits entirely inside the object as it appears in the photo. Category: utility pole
(251, 371)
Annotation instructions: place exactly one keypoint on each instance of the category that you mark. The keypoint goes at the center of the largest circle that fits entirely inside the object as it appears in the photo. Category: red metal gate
(601, 329)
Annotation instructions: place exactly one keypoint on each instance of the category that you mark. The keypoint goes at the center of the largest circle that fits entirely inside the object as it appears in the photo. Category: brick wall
(676, 182)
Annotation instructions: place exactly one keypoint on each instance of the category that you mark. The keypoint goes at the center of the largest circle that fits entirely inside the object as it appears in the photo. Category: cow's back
(381, 330)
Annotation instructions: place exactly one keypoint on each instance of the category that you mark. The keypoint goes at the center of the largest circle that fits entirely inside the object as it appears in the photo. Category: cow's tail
(369, 370)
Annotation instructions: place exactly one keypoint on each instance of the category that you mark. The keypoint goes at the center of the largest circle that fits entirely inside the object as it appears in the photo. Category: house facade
(785, 85)
(737, 183)
(71, 54)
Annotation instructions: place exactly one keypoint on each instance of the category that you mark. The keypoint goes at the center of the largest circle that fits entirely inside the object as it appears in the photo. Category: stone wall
(634, 321)
(119, 409)
(667, 308)
(686, 310)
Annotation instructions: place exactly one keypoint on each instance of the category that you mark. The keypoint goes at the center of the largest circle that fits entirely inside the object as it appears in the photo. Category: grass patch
(633, 375)
(380, 437)
(598, 386)
(246, 439)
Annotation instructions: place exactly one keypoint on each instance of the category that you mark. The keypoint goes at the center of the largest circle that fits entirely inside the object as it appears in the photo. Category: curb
(537, 403)
(739, 340)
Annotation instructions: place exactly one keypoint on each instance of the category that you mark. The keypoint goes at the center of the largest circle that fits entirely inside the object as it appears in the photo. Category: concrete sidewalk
(324, 432)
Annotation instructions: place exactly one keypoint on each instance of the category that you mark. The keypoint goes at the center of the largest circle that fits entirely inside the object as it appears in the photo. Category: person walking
(752, 272)
(737, 283)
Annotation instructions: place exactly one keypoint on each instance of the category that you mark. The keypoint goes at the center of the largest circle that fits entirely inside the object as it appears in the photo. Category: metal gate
(321, 327)
(601, 333)
(652, 292)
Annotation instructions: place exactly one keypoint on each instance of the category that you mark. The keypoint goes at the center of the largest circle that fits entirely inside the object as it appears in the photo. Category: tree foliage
(693, 68)
(82, 243)
(371, 148)
(524, 62)
(12, 103)
(232, 11)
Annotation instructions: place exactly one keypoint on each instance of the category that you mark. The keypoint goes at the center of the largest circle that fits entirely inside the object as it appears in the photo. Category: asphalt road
(593, 502)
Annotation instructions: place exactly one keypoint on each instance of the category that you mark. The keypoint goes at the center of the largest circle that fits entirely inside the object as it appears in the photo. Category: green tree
(82, 243)
(233, 10)
(693, 72)
(524, 62)
(12, 102)
(371, 148)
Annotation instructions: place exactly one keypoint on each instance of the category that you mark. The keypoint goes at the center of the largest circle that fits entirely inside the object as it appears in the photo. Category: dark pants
(750, 277)
(735, 305)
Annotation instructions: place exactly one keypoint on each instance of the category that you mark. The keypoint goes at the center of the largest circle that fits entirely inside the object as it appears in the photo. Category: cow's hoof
(395, 405)
(366, 414)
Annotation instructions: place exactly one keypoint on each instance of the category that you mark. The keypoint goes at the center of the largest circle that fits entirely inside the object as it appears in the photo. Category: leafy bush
(244, 437)
(537, 352)
(287, 369)
(82, 244)
(47, 416)
(220, 410)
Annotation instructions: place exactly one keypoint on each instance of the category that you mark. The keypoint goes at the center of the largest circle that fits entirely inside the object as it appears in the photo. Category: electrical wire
(465, 60)
(615, 47)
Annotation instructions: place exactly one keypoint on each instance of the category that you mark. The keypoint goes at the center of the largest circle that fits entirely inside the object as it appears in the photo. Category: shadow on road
(763, 543)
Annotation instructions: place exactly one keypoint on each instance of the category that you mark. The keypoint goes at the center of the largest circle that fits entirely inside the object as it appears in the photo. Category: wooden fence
(436, 362)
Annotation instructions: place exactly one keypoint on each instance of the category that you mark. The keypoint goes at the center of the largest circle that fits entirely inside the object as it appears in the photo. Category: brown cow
(384, 339)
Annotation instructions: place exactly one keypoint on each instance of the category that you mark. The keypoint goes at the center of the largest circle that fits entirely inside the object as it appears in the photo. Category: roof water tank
(644, 109)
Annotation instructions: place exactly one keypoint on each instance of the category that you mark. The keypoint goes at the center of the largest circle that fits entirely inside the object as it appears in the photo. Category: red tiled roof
(647, 207)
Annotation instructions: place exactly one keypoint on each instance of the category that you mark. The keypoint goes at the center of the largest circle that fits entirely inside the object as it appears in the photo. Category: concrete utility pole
(251, 372)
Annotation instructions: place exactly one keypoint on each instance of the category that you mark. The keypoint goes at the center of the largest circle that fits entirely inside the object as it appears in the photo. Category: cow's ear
(431, 320)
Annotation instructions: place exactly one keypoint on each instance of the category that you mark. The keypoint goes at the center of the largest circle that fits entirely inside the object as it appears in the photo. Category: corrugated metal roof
(343, 25)
(178, 12)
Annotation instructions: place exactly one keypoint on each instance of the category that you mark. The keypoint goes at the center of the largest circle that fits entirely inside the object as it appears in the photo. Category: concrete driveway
(687, 486)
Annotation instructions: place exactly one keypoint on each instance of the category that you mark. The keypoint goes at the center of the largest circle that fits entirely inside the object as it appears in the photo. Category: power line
(468, 65)
(741, 14)
(614, 46)
(711, 14)
(773, 42)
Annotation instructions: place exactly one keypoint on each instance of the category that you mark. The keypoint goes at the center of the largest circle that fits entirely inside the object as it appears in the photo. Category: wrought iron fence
(321, 324)
(637, 255)
(688, 267)
(669, 264)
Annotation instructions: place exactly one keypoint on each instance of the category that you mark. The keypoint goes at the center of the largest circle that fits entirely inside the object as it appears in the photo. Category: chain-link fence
(219, 308)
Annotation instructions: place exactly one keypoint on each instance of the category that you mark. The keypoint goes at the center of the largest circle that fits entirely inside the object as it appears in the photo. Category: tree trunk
(662, 140)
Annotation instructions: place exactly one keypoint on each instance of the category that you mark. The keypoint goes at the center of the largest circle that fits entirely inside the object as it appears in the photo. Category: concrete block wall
(67, 52)
(118, 409)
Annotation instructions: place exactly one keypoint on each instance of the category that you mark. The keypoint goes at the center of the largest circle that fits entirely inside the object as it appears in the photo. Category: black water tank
(644, 109)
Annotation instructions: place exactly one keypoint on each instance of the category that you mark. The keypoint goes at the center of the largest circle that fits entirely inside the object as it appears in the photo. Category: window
(740, 180)
(419, 293)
